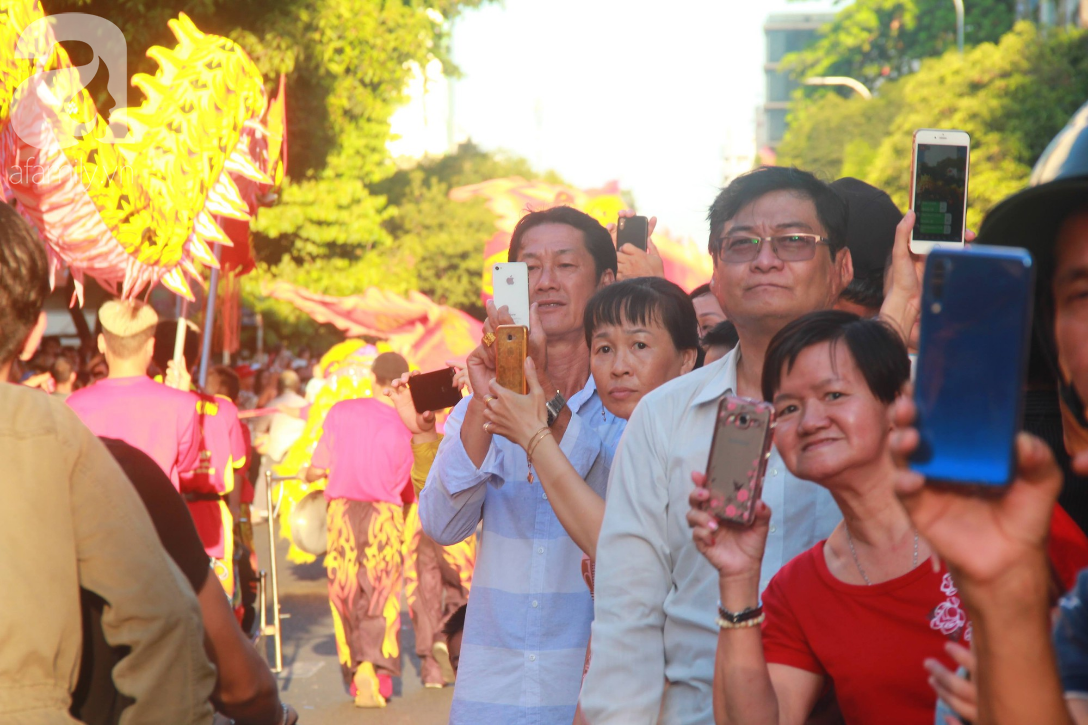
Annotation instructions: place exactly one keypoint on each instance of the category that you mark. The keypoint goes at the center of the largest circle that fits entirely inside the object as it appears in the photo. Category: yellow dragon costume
(135, 211)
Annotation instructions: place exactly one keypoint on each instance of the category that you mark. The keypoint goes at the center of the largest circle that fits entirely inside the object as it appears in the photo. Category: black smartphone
(634, 230)
(434, 391)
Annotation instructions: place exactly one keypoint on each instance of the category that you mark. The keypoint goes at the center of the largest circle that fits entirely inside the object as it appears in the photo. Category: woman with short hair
(865, 609)
(641, 333)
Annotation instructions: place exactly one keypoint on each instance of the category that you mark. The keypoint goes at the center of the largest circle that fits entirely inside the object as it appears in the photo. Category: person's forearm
(314, 473)
(474, 438)
(743, 693)
(576, 505)
(245, 689)
(1018, 678)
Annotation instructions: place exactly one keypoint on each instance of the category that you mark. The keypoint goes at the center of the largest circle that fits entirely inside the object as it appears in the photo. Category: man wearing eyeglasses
(777, 237)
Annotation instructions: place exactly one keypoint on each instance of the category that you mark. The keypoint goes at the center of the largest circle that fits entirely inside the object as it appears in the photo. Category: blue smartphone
(972, 359)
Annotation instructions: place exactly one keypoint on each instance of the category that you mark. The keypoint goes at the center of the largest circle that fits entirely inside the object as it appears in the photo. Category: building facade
(784, 33)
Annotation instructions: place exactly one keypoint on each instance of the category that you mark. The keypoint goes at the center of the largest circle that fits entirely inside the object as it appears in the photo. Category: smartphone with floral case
(743, 433)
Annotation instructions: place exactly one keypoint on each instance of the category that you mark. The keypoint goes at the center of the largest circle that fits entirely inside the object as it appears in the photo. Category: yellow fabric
(422, 459)
(224, 568)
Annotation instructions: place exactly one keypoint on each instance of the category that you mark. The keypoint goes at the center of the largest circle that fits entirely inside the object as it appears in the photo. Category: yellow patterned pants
(364, 564)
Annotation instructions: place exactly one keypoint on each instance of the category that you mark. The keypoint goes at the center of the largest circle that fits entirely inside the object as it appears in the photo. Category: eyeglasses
(787, 247)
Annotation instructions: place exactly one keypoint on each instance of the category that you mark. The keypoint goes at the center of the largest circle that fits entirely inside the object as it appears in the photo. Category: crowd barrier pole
(275, 629)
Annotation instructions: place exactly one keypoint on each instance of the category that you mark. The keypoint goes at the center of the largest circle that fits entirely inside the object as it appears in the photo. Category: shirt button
(536, 603)
(540, 550)
(545, 497)
(773, 528)
(774, 471)
(532, 658)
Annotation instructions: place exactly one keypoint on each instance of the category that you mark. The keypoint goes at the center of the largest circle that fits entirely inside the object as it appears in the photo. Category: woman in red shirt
(862, 610)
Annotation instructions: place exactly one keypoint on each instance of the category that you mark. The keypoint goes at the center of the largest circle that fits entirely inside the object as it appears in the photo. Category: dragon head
(144, 208)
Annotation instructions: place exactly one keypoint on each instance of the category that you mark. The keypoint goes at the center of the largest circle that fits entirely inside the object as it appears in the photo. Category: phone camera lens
(743, 420)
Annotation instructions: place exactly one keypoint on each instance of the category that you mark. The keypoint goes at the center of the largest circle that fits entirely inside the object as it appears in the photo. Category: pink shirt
(367, 450)
(158, 420)
(223, 449)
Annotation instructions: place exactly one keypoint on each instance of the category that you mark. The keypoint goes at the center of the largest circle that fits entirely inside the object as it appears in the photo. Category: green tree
(877, 40)
(1012, 97)
(430, 243)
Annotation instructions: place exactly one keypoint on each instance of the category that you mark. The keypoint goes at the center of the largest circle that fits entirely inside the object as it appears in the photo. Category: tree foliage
(877, 40)
(1012, 97)
(427, 241)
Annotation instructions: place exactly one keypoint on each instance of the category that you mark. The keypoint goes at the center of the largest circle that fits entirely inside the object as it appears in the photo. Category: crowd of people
(556, 547)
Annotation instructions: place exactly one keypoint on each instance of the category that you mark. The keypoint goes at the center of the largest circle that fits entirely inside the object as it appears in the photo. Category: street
(311, 680)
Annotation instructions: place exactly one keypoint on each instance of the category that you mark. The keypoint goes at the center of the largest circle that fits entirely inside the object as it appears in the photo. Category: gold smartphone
(511, 344)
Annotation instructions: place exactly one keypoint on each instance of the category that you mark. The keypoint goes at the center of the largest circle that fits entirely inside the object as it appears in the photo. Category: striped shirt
(529, 613)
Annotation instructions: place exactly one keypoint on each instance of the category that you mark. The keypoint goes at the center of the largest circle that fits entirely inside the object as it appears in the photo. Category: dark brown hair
(877, 349)
(24, 281)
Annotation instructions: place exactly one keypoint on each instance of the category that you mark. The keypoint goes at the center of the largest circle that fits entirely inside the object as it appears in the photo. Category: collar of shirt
(722, 382)
(582, 397)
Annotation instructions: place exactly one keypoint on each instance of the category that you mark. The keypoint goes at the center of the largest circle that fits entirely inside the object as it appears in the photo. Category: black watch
(741, 616)
(555, 407)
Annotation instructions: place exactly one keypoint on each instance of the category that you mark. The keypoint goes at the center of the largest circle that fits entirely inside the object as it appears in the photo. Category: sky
(659, 95)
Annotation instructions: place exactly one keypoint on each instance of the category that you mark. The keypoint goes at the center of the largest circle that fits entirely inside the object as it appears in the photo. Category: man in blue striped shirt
(529, 613)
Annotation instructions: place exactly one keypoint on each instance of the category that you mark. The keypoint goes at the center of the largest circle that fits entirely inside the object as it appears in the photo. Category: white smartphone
(510, 281)
(940, 165)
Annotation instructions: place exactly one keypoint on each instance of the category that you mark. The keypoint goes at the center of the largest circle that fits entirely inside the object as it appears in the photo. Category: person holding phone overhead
(777, 241)
(862, 610)
(996, 546)
(528, 618)
(437, 579)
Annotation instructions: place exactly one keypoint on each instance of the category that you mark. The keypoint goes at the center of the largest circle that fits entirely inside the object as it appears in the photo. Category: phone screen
(940, 188)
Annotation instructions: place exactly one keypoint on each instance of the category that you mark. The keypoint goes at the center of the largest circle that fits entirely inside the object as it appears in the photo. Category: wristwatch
(555, 407)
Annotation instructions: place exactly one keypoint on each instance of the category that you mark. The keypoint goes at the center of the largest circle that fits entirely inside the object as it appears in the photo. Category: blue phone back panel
(972, 358)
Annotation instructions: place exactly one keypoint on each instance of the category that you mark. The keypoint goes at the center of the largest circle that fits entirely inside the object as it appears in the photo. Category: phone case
(633, 230)
(972, 361)
(510, 349)
(743, 434)
(510, 285)
(434, 390)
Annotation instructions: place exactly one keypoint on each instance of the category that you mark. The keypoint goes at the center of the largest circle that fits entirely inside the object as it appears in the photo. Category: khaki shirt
(69, 518)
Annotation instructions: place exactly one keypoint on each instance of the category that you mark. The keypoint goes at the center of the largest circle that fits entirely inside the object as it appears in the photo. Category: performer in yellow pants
(364, 564)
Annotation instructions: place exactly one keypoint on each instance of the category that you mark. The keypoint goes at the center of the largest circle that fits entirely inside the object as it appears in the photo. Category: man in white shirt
(777, 237)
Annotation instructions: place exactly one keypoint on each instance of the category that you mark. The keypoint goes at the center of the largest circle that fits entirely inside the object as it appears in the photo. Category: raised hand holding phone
(419, 424)
(735, 551)
(982, 538)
